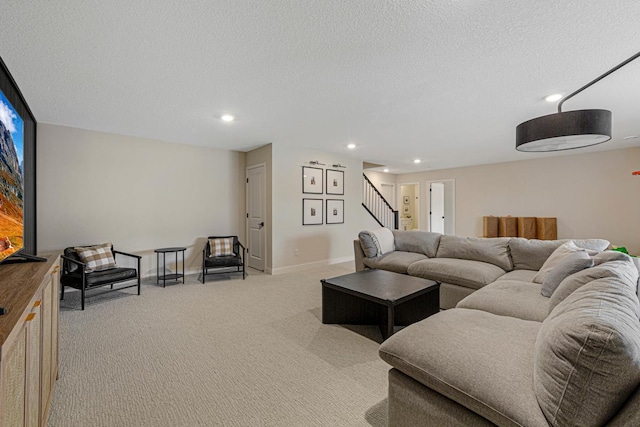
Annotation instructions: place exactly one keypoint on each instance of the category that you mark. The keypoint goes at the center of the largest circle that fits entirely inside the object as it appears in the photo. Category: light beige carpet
(228, 352)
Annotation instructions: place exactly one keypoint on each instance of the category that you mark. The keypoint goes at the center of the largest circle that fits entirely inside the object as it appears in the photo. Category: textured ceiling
(444, 81)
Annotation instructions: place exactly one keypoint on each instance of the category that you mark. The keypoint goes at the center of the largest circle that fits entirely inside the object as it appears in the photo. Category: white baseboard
(308, 266)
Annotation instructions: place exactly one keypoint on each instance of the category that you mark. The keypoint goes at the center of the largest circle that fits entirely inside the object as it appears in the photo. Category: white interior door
(436, 206)
(388, 191)
(256, 208)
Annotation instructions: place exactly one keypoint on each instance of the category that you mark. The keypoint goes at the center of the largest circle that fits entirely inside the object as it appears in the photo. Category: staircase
(377, 206)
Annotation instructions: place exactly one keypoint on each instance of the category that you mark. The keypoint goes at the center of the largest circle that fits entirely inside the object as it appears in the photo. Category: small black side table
(174, 276)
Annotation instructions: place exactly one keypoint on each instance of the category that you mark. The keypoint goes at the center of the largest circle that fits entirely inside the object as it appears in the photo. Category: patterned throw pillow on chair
(221, 247)
(96, 258)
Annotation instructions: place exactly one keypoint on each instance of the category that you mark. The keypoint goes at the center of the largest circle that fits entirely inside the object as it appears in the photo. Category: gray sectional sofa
(508, 356)
(462, 264)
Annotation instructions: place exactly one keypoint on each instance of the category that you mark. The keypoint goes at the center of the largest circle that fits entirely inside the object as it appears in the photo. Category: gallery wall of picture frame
(316, 180)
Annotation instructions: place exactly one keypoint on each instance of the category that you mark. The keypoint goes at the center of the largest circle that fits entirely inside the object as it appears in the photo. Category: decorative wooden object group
(522, 226)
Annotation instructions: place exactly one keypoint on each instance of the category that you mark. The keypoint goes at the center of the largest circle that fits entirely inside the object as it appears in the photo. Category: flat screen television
(17, 174)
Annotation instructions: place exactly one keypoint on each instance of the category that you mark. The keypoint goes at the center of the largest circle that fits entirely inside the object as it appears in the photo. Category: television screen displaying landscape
(11, 179)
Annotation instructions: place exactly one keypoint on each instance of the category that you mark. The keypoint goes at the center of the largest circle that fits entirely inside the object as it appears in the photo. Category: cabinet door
(49, 316)
(55, 315)
(13, 381)
(34, 337)
(46, 312)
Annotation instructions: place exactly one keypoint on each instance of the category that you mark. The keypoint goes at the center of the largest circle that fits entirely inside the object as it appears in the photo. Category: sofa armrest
(359, 255)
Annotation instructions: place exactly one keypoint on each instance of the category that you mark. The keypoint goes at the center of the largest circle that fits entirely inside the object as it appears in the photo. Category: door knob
(261, 224)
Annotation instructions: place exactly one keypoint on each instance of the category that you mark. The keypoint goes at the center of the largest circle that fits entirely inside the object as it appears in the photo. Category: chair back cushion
(96, 258)
(70, 267)
(223, 246)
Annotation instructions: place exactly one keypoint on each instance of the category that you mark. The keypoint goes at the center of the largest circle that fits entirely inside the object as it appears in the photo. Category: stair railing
(378, 206)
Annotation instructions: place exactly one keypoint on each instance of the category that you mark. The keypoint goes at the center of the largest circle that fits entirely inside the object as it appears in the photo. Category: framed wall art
(335, 182)
(335, 211)
(311, 180)
(406, 200)
(312, 212)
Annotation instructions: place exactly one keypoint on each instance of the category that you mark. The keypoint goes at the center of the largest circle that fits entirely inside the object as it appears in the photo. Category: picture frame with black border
(312, 213)
(335, 182)
(335, 211)
(312, 180)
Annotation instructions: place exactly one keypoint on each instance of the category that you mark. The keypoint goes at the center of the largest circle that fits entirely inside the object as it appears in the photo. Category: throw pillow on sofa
(376, 242)
(556, 258)
(572, 264)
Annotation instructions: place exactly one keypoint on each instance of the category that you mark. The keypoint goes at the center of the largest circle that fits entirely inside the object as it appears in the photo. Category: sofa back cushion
(587, 354)
(530, 254)
(491, 250)
(420, 242)
(570, 284)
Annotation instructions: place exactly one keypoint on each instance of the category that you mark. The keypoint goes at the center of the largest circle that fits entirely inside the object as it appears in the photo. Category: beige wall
(317, 244)
(137, 193)
(591, 194)
(256, 157)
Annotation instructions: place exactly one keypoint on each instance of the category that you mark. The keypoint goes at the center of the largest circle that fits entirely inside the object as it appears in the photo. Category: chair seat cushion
(99, 278)
(223, 261)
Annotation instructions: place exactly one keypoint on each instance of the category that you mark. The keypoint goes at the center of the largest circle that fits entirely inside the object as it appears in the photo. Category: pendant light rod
(596, 80)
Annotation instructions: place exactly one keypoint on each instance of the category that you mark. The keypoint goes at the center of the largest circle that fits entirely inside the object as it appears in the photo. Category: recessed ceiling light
(351, 146)
(417, 161)
(553, 98)
(631, 137)
(386, 170)
(227, 118)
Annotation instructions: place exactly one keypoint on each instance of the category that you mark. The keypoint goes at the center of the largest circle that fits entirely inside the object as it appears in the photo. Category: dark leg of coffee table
(386, 329)
(418, 308)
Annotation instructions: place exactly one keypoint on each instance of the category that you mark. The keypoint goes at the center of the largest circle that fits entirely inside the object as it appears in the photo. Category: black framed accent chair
(223, 252)
(90, 267)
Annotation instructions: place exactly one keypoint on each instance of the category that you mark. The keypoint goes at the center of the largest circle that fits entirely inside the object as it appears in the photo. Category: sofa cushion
(530, 254)
(463, 272)
(592, 245)
(477, 359)
(367, 244)
(494, 251)
(556, 258)
(587, 355)
(422, 242)
(621, 269)
(575, 262)
(607, 256)
(519, 275)
(395, 261)
(376, 242)
(512, 298)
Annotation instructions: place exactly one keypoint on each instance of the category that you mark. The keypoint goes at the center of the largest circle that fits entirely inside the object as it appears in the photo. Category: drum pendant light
(570, 129)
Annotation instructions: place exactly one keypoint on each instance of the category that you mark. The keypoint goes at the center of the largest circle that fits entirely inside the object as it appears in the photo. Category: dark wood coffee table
(379, 297)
